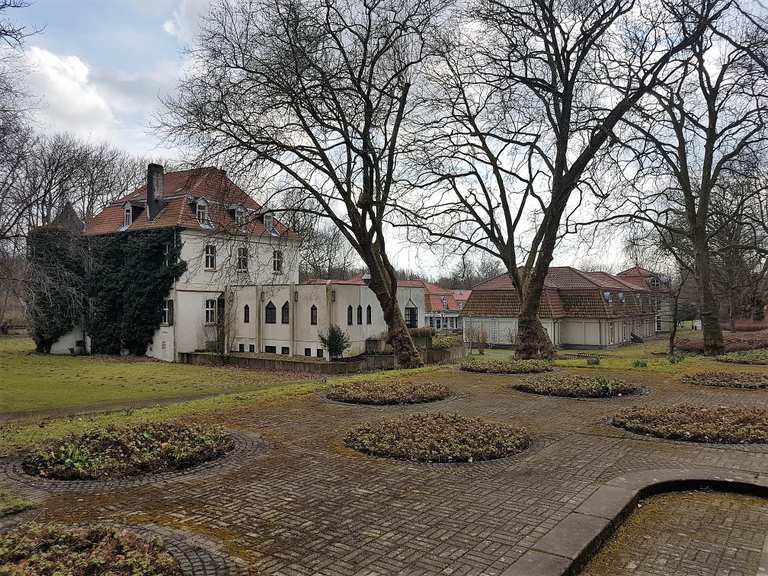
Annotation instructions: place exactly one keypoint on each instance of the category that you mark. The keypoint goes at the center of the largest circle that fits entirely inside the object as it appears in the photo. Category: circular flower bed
(393, 392)
(758, 356)
(714, 424)
(744, 380)
(41, 550)
(118, 452)
(501, 366)
(436, 437)
(576, 386)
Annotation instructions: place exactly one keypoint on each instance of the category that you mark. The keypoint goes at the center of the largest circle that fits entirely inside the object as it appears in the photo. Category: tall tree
(522, 108)
(314, 93)
(692, 146)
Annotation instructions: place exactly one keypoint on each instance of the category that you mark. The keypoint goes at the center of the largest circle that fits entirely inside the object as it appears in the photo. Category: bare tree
(686, 147)
(313, 94)
(523, 106)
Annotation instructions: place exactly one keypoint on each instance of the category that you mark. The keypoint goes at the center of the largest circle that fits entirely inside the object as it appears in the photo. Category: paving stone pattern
(307, 505)
(685, 533)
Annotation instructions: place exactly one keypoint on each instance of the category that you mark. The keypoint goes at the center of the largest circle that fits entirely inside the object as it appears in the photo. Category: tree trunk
(709, 309)
(532, 340)
(384, 285)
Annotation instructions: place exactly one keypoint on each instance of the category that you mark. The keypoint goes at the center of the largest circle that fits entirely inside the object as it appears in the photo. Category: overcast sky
(99, 67)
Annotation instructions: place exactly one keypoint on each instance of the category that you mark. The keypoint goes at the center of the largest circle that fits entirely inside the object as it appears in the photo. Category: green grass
(11, 504)
(653, 353)
(31, 382)
(20, 435)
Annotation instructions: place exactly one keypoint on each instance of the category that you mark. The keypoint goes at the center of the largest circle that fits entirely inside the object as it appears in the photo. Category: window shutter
(170, 312)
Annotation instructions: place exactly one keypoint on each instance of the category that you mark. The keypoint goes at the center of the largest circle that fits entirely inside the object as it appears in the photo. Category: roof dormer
(202, 212)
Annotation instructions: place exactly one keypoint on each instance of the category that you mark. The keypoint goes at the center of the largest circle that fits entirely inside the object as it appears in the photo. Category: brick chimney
(155, 178)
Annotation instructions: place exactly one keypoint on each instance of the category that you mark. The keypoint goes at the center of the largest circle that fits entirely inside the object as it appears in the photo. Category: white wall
(68, 342)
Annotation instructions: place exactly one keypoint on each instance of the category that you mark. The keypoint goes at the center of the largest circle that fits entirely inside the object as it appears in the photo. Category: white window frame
(277, 261)
(164, 314)
(201, 212)
(242, 259)
(127, 216)
(241, 216)
(210, 257)
(210, 311)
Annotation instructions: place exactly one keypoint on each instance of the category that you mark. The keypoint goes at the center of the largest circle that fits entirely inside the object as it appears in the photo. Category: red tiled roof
(568, 293)
(180, 190)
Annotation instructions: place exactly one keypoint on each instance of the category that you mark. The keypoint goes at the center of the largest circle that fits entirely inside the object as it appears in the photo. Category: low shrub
(576, 386)
(117, 452)
(593, 361)
(675, 358)
(502, 366)
(732, 341)
(445, 341)
(388, 392)
(640, 364)
(727, 379)
(758, 356)
(43, 550)
(437, 437)
(713, 424)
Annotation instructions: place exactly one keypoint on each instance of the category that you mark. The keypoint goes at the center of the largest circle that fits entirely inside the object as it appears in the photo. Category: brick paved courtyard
(305, 504)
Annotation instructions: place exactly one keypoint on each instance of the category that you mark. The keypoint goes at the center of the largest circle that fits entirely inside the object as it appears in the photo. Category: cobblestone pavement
(306, 504)
(684, 533)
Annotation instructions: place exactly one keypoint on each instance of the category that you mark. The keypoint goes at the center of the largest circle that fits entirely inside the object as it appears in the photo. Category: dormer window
(607, 297)
(201, 212)
(241, 216)
(128, 215)
(444, 300)
(621, 297)
(655, 283)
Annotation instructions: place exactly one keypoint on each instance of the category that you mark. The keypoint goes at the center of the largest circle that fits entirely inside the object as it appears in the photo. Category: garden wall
(356, 365)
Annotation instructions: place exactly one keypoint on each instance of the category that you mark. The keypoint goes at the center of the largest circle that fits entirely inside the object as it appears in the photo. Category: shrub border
(452, 397)
(535, 444)
(570, 544)
(639, 392)
(246, 444)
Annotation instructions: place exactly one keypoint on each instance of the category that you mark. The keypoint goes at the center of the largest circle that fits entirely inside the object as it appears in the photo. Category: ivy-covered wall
(115, 283)
(131, 275)
(55, 295)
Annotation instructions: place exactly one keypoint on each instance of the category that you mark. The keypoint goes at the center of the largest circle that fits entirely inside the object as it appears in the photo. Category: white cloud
(68, 100)
(184, 24)
(98, 105)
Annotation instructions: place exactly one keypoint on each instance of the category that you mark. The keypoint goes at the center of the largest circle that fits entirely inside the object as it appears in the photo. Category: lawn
(31, 382)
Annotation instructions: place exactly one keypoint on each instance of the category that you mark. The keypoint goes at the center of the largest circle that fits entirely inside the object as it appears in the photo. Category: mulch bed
(51, 549)
(573, 386)
(501, 366)
(388, 392)
(744, 380)
(120, 452)
(438, 437)
(711, 424)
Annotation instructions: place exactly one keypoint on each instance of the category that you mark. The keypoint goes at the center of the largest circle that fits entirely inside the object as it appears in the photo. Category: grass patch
(10, 503)
(437, 437)
(576, 386)
(504, 366)
(39, 382)
(711, 424)
(382, 393)
(758, 356)
(745, 380)
(52, 549)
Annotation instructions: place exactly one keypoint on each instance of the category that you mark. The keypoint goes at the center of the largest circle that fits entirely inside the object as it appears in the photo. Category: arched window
(359, 314)
(313, 315)
(349, 315)
(285, 313)
(246, 314)
(368, 314)
(270, 313)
